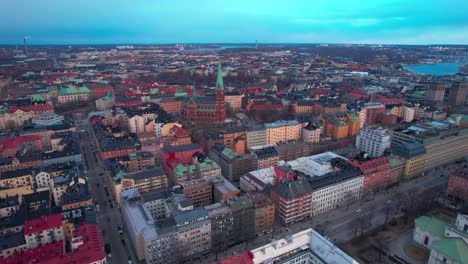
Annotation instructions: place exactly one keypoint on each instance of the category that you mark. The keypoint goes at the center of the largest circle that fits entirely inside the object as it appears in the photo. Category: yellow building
(283, 131)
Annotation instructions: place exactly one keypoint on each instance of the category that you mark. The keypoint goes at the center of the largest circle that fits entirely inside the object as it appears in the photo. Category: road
(337, 224)
(108, 214)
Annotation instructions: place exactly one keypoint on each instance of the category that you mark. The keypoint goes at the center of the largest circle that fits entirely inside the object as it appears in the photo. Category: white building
(47, 119)
(453, 246)
(156, 245)
(43, 230)
(257, 180)
(315, 165)
(305, 247)
(373, 140)
(336, 190)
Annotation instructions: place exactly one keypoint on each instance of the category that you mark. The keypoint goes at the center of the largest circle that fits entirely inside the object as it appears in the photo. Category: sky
(234, 21)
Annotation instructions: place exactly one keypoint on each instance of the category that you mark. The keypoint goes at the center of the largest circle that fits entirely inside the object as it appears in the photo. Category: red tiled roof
(180, 132)
(42, 223)
(41, 254)
(34, 108)
(52, 253)
(371, 165)
(13, 142)
(244, 258)
(387, 100)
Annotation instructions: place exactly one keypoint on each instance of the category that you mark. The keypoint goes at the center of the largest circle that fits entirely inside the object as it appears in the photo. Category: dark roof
(265, 153)
(12, 240)
(146, 174)
(169, 149)
(292, 189)
(9, 201)
(346, 172)
(109, 143)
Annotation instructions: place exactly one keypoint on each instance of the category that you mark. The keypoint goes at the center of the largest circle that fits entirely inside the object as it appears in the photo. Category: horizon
(390, 22)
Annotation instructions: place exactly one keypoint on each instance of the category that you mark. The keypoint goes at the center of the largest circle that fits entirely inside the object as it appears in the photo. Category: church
(201, 108)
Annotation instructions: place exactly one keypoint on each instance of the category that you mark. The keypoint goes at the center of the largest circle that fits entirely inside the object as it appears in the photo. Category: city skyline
(297, 21)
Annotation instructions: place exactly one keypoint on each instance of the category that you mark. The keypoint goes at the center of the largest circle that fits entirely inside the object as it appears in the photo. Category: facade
(256, 136)
(427, 230)
(112, 147)
(150, 245)
(43, 230)
(443, 143)
(243, 215)
(16, 116)
(198, 191)
(283, 131)
(336, 188)
(236, 140)
(311, 133)
(373, 110)
(146, 180)
(222, 224)
(193, 227)
(265, 157)
(376, 172)
(457, 93)
(264, 212)
(233, 165)
(436, 92)
(47, 119)
(73, 94)
(206, 108)
(140, 160)
(234, 99)
(305, 247)
(457, 186)
(293, 201)
(105, 102)
(373, 140)
(340, 125)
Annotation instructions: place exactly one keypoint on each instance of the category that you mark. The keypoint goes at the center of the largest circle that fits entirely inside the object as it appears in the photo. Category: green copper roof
(229, 153)
(74, 90)
(37, 98)
(455, 248)
(431, 224)
(219, 78)
(394, 161)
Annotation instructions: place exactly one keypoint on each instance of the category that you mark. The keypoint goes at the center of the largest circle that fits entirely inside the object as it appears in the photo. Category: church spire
(194, 89)
(219, 78)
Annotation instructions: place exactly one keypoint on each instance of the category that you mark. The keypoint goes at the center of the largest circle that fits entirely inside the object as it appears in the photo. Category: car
(123, 241)
(358, 210)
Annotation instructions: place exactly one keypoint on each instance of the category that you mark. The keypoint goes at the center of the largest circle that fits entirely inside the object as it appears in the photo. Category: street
(337, 225)
(108, 214)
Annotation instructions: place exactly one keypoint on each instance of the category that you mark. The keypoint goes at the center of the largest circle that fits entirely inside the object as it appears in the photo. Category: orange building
(236, 139)
(341, 125)
(234, 99)
(264, 212)
(178, 136)
(171, 105)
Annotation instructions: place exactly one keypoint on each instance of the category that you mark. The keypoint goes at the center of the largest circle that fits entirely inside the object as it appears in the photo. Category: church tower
(219, 85)
(219, 96)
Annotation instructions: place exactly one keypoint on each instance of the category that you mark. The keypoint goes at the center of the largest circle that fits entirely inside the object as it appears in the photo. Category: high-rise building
(436, 91)
(457, 93)
(373, 140)
(373, 110)
(293, 200)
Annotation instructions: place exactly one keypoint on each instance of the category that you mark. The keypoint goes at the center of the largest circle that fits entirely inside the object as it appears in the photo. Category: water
(440, 68)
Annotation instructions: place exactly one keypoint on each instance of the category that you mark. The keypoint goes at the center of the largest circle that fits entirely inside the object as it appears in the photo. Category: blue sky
(234, 21)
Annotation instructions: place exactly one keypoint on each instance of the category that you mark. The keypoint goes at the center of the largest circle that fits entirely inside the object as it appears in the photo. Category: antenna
(25, 45)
